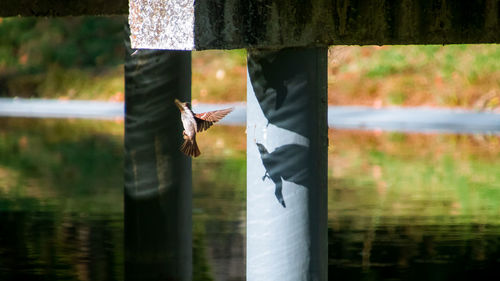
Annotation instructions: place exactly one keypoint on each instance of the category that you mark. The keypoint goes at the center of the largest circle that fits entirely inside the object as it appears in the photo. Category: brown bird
(194, 123)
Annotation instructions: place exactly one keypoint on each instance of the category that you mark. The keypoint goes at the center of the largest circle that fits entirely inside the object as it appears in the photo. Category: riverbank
(458, 76)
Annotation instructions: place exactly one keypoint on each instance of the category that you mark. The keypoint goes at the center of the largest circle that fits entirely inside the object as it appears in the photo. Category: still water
(401, 207)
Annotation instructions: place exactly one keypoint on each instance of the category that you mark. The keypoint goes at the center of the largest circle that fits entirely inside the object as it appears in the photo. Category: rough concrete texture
(55, 8)
(223, 24)
(228, 24)
(159, 24)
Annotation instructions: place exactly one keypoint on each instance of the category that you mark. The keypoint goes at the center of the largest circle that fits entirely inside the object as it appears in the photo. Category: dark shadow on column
(157, 190)
(290, 88)
(284, 92)
(285, 163)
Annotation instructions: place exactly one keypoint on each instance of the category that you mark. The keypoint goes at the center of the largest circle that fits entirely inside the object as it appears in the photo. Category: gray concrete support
(287, 145)
(157, 175)
(266, 24)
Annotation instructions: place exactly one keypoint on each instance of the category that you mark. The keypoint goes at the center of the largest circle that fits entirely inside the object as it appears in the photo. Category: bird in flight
(196, 122)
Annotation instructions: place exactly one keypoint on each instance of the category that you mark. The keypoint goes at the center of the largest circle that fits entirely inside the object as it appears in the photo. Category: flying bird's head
(183, 106)
(262, 149)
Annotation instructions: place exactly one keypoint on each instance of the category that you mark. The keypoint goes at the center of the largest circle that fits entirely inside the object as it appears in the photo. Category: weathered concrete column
(157, 177)
(287, 141)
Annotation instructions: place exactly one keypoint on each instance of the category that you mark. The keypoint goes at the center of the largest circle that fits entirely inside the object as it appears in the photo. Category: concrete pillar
(157, 176)
(287, 141)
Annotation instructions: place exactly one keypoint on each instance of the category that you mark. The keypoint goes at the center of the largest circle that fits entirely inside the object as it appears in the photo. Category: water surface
(401, 207)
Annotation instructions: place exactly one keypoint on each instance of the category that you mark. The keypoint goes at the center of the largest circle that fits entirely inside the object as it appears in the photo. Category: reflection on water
(39, 245)
(405, 249)
(61, 205)
(401, 207)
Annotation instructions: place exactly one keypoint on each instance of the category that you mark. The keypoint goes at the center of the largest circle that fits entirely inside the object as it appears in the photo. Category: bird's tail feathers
(190, 148)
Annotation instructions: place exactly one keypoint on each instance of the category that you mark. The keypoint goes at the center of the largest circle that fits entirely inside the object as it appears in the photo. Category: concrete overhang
(230, 24)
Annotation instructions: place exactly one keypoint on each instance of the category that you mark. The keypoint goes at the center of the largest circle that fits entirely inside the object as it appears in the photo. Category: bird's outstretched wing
(206, 119)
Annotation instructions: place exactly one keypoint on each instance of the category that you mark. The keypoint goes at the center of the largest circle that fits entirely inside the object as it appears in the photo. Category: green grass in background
(82, 57)
(452, 75)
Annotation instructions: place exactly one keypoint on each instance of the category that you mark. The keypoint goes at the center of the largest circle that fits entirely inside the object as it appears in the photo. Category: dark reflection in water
(394, 214)
(414, 252)
(50, 246)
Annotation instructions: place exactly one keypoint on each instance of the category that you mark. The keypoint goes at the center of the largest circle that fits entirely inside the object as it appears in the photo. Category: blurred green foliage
(432, 59)
(33, 43)
(70, 57)
(462, 75)
(82, 57)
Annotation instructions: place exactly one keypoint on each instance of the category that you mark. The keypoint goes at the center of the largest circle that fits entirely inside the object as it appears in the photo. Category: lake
(401, 206)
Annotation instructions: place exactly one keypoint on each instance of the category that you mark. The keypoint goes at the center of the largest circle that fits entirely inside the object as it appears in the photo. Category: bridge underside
(218, 24)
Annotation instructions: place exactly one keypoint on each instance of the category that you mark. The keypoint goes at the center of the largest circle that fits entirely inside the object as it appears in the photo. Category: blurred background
(401, 206)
